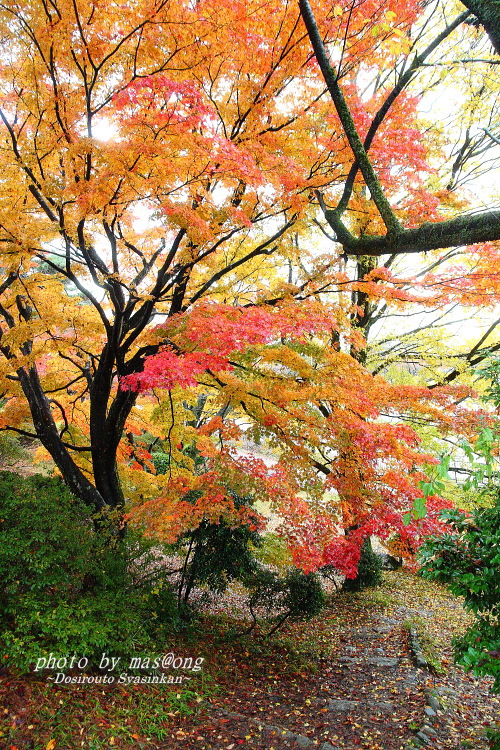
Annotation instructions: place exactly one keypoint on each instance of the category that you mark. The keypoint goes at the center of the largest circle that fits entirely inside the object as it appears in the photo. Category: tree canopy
(203, 210)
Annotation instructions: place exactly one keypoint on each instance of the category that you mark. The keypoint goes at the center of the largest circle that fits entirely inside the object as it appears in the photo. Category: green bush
(65, 587)
(295, 596)
(10, 447)
(304, 595)
(493, 736)
(467, 560)
(216, 553)
(369, 570)
(161, 462)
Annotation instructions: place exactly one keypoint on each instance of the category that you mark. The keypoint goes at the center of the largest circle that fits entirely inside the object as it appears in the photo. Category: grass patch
(84, 716)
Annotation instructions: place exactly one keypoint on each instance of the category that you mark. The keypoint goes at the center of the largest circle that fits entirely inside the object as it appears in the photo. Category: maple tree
(160, 194)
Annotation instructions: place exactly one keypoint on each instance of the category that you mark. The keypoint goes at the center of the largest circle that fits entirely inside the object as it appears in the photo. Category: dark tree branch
(388, 217)
(468, 229)
(461, 230)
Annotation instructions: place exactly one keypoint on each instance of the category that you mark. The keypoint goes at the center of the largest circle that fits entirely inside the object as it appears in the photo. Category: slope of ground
(345, 680)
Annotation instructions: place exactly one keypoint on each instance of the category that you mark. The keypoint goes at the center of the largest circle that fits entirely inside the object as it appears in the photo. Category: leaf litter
(346, 678)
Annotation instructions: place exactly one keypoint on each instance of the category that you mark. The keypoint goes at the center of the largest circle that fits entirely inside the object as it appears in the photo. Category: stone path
(369, 685)
(368, 693)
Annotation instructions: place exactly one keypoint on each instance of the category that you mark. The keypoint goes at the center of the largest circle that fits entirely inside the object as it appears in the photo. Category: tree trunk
(46, 430)
(488, 13)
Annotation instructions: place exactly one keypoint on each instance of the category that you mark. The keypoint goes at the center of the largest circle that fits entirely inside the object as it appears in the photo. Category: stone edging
(427, 732)
(418, 655)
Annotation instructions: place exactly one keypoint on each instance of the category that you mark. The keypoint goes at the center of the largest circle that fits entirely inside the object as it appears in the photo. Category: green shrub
(217, 553)
(467, 560)
(161, 462)
(295, 596)
(10, 447)
(369, 570)
(304, 595)
(493, 736)
(65, 587)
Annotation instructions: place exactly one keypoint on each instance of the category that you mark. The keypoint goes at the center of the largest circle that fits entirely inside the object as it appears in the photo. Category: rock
(303, 742)
(432, 701)
(388, 621)
(410, 682)
(270, 729)
(383, 661)
(445, 690)
(269, 733)
(382, 705)
(420, 661)
(430, 711)
(389, 562)
(429, 730)
(342, 705)
(365, 633)
(348, 660)
(376, 661)
(423, 737)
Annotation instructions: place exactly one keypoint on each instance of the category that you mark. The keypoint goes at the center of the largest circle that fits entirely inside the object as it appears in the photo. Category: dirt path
(347, 703)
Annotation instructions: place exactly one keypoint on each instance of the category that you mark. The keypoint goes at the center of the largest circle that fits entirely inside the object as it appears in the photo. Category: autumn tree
(160, 189)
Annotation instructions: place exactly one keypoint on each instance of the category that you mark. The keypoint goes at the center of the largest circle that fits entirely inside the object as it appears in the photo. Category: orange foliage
(157, 232)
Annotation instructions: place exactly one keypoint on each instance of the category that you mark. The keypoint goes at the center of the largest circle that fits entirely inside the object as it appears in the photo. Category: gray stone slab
(342, 705)
(303, 742)
(377, 661)
(423, 738)
(383, 661)
(388, 621)
(412, 678)
(365, 634)
(429, 730)
(349, 660)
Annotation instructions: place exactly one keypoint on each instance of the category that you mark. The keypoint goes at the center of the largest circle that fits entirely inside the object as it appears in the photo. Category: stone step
(344, 705)
(270, 732)
(376, 661)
